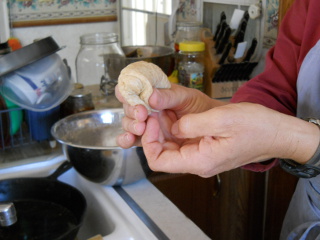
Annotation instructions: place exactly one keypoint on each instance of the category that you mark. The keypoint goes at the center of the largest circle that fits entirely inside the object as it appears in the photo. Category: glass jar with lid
(100, 57)
(187, 31)
(191, 64)
(79, 100)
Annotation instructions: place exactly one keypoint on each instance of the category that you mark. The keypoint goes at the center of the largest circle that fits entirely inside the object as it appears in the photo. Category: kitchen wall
(65, 35)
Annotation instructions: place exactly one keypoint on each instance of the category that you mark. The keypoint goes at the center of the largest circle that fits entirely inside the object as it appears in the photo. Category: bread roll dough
(136, 82)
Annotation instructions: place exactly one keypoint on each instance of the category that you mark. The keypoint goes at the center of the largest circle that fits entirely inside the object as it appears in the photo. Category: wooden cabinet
(227, 208)
(279, 190)
(240, 205)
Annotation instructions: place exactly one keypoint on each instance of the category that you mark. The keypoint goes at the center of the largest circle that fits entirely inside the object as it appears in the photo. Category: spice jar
(187, 31)
(99, 57)
(191, 64)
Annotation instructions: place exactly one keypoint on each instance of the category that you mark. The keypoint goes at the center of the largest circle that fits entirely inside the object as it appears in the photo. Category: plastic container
(39, 86)
(40, 123)
(191, 64)
(92, 59)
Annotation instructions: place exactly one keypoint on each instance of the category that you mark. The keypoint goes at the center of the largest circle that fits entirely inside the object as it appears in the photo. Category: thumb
(162, 99)
(199, 125)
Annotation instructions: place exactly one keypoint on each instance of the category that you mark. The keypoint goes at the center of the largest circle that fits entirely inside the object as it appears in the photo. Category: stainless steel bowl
(161, 56)
(89, 142)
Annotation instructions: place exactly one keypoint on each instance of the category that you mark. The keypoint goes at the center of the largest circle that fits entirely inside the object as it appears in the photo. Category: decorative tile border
(271, 23)
(189, 10)
(51, 12)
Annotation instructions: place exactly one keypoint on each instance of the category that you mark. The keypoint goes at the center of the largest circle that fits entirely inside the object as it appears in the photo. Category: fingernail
(126, 136)
(135, 126)
(175, 129)
(136, 112)
(154, 98)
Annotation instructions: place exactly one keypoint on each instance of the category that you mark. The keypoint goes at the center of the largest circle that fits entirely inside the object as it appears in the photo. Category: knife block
(219, 80)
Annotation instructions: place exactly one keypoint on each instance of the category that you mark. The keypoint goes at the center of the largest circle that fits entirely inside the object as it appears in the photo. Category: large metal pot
(161, 56)
(89, 142)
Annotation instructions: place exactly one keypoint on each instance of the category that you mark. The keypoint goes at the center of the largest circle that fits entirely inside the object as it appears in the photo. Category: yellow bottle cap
(191, 46)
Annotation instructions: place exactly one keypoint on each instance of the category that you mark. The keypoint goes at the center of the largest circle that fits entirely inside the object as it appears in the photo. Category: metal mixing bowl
(161, 56)
(89, 142)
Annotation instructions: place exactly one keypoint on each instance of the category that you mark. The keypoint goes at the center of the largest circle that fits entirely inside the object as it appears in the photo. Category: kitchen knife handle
(224, 40)
(225, 53)
(215, 36)
(251, 50)
(224, 25)
(223, 17)
(246, 16)
(238, 39)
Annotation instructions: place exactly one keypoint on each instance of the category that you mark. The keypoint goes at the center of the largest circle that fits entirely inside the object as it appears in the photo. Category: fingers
(168, 98)
(133, 126)
(127, 140)
(118, 94)
(154, 147)
(173, 158)
(138, 112)
(195, 125)
(220, 121)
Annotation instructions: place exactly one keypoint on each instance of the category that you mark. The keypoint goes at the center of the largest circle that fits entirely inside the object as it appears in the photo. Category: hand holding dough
(136, 82)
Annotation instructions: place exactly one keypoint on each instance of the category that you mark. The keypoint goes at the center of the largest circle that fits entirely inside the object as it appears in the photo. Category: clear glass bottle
(191, 64)
(100, 56)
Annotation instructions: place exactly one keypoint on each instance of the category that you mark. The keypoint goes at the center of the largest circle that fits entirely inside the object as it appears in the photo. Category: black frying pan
(47, 209)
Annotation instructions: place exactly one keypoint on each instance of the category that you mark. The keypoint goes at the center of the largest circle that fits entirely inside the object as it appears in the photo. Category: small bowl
(89, 142)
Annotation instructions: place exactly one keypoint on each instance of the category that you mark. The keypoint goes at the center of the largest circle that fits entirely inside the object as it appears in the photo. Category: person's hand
(223, 138)
(172, 104)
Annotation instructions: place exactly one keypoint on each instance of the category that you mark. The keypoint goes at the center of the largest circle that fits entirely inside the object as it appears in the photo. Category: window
(143, 22)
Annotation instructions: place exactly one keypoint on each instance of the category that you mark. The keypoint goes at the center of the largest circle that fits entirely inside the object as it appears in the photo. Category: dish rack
(32, 137)
(9, 140)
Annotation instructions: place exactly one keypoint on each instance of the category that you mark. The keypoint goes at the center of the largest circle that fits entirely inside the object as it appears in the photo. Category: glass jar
(99, 57)
(191, 64)
(80, 100)
(187, 31)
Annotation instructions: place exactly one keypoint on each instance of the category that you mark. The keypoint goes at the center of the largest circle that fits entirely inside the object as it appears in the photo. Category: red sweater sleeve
(276, 86)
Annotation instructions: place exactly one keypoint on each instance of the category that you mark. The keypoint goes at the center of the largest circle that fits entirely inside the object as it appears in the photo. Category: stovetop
(135, 211)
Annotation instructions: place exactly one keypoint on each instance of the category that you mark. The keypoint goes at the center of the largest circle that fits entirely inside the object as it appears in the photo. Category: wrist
(301, 139)
(309, 168)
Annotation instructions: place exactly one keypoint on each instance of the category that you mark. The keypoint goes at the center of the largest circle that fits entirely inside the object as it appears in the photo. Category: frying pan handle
(65, 166)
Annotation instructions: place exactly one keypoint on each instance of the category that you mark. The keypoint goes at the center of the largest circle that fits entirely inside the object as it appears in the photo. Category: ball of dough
(136, 82)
